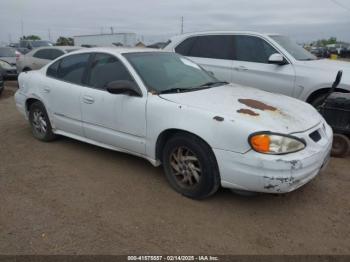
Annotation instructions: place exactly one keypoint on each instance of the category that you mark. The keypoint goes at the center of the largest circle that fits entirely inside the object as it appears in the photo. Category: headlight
(5, 65)
(275, 144)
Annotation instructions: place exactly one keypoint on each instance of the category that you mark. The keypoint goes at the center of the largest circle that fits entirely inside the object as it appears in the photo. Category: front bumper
(257, 172)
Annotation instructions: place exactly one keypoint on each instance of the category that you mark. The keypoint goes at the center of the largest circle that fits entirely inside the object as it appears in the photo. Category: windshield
(298, 52)
(168, 71)
(7, 52)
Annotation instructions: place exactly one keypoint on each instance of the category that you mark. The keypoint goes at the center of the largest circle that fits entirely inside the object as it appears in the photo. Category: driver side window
(252, 49)
(106, 68)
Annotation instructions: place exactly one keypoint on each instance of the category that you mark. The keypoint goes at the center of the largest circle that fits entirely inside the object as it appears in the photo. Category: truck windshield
(298, 52)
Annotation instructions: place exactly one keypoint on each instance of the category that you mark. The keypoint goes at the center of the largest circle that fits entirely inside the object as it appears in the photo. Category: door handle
(47, 89)
(88, 100)
(241, 68)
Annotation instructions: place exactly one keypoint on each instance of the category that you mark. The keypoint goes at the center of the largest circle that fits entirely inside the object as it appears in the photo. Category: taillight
(18, 54)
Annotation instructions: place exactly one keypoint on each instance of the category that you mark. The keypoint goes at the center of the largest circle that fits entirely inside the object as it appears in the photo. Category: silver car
(8, 62)
(39, 57)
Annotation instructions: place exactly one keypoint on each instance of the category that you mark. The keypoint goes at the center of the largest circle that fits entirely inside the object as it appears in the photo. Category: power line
(340, 5)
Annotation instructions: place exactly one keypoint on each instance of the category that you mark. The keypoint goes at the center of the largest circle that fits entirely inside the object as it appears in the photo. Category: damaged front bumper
(258, 172)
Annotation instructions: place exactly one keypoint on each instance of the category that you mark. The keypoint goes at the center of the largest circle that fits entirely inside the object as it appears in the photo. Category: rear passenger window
(252, 49)
(185, 47)
(72, 68)
(43, 54)
(52, 70)
(211, 46)
(55, 53)
(106, 68)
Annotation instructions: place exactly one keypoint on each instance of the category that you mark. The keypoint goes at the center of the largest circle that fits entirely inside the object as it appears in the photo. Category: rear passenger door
(213, 52)
(251, 66)
(63, 88)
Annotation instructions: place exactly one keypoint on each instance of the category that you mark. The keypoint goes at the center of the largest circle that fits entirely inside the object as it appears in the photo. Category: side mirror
(277, 59)
(123, 87)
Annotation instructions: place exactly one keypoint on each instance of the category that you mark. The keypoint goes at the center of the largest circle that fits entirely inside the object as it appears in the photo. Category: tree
(65, 41)
(324, 42)
(30, 37)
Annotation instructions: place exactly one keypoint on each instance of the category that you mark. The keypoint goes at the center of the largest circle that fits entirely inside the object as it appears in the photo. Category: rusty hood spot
(218, 118)
(247, 111)
(256, 104)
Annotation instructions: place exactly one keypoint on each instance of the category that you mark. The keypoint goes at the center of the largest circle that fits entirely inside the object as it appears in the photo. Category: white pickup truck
(270, 62)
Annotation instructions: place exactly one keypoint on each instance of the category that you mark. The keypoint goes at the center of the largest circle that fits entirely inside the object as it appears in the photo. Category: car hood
(256, 108)
(10, 60)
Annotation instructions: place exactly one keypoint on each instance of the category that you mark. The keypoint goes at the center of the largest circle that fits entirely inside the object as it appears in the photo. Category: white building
(117, 39)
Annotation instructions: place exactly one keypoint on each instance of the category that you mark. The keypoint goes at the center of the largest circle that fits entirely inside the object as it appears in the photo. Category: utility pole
(101, 31)
(49, 33)
(112, 30)
(22, 30)
(10, 38)
(182, 24)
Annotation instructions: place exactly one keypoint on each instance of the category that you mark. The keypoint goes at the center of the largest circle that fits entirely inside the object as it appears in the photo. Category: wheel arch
(31, 101)
(165, 135)
(323, 91)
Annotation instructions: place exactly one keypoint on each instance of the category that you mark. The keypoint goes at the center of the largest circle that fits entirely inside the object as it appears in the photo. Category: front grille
(315, 136)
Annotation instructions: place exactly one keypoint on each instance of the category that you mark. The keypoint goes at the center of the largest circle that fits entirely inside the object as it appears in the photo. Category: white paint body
(299, 79)
(134, 124)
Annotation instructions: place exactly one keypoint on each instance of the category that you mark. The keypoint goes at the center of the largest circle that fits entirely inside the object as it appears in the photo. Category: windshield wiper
(173, 90)
(214, 83)
(189, 89)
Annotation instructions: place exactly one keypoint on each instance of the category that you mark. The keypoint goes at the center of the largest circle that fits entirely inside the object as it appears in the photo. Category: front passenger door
(116, 120)
(251, 66)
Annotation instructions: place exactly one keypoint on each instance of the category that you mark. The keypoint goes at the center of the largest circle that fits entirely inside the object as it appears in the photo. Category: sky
(158, 20)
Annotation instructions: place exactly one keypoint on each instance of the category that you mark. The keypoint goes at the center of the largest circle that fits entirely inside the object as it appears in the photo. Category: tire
(190, 166)
(341, 145)
(40, 123)
(26, 69)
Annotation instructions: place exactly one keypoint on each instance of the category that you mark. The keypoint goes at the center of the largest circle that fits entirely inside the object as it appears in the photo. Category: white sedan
(165, 108)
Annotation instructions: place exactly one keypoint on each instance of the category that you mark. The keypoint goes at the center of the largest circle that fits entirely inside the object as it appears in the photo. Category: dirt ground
(67, 197)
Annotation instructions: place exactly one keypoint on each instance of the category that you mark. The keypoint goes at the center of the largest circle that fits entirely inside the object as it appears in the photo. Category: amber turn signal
(260, 143)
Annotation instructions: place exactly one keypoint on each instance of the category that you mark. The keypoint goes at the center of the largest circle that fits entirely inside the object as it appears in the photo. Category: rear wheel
(26, 69)
(40, 123)
(190, 166)
(341, 145)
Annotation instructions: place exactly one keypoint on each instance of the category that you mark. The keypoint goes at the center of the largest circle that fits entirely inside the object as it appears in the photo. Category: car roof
(118, 50)
(58, 47)
(223, 32)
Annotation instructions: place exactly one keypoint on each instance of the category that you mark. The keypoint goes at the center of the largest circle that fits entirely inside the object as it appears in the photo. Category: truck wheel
(40, 123)
(341, 145)
(190, 166)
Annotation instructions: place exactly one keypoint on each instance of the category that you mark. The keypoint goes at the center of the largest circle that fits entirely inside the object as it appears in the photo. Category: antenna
(182, 24)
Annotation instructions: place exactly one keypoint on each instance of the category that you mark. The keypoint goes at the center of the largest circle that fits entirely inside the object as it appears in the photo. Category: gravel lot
(68, 197)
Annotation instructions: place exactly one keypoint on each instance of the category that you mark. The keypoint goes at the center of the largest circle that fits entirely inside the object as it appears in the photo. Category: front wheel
(341, 145)
(190, 166)
(40, 123)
